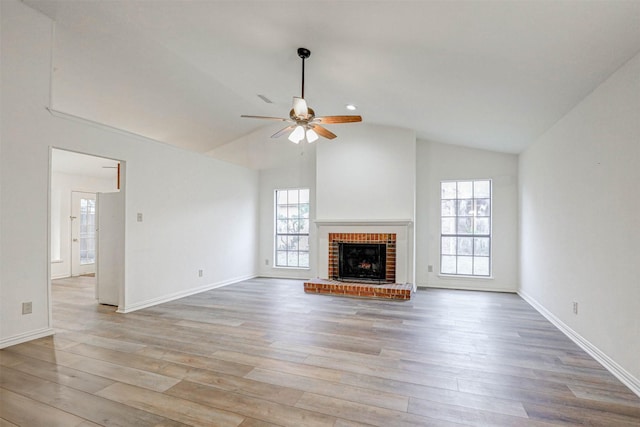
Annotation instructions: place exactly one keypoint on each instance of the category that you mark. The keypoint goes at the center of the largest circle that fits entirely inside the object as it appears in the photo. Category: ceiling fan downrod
(304, 54)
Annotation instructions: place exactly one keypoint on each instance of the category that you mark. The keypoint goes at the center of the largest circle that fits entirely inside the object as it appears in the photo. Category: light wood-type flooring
(264, 353)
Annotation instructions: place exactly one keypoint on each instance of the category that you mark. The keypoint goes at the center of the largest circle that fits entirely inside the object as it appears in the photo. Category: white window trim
(452, 276)
(275, 265)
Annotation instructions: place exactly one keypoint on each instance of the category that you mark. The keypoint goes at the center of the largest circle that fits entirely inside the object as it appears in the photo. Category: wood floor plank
(83, 405)
(250, 406)
(7, 423)
(367, 414)
(329, 374)
(101, 368)
(197, 361)
(318, 386)
(21, 411)
(262, 353)
(63, 375)
(185, 411)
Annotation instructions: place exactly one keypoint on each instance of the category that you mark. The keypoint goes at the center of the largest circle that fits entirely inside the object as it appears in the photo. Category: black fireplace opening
(362, 261)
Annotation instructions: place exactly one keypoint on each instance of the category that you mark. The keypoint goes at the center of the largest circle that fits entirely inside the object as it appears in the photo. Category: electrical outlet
(200, 273)
(27, 307)
(266, 261)
(575, 307)
(430, 269)
(139, 217)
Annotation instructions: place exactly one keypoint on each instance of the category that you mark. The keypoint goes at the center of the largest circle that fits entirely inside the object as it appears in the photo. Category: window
(465, 239)
(292, 228)
(87, 231)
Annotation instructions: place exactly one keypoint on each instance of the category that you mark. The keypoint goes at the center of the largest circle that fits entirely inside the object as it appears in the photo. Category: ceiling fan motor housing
(304, 53)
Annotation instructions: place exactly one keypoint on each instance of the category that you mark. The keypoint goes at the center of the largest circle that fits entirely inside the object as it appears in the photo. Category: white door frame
(122, 185)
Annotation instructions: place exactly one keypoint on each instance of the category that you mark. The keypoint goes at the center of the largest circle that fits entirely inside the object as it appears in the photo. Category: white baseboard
(467, 288)
(28, 336)
(618, 371)
(181, 294)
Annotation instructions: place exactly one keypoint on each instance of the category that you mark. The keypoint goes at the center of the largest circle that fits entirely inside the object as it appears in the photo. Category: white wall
(440, 162)
(62, 185)
(579, 232)
(300, 172)
(367, 173)
(199, 213)
(366, 183)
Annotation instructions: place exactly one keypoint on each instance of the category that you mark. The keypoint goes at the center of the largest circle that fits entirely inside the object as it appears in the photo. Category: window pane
(448, 190)
(281, 212)
(483, 207)
(281, 258)
(465, 207)
(481, 266)
(304, 210)
(465, 189)
(448, 208)
(293, 226)
(465, 265)
(465, 225)
(448, 264)
(293, 211)
(482, 189)
(282, 226)
(304, 226)
(465, 245)
(304, 195)
(293, 196)
(281, 197)
(292, 259)
(449, 245)
(303, 259)
(482, 226)
(303, 243)
(281, 243)
(481, 246)
(292, 243)
(448, 226)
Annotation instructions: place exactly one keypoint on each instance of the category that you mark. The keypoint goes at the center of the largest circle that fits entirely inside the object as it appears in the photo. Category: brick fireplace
(396, 235)
(386, 239)
(397, 238)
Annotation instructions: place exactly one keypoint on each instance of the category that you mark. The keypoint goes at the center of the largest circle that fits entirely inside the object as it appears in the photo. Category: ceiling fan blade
(300, 107)
(337, 119)
(283, 131)
(265, 117)
(323, 132)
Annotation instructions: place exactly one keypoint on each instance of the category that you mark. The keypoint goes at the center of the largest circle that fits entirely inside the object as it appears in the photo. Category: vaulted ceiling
(486, 74)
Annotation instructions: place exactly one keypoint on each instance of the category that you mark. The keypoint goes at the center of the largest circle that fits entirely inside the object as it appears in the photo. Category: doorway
(77, 182)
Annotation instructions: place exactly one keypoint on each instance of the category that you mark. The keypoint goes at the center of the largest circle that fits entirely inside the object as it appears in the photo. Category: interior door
(110, 267)
(83, 233)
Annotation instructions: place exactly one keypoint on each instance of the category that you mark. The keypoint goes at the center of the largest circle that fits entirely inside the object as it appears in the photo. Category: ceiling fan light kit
(304, 123)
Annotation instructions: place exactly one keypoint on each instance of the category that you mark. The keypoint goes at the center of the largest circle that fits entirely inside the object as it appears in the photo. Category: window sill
(280, 267)
(462, 276)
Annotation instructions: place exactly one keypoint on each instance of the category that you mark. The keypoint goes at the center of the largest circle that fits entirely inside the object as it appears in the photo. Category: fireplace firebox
(362, 261)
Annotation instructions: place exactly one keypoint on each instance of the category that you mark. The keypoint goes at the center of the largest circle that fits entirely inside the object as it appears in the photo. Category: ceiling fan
(304, 123)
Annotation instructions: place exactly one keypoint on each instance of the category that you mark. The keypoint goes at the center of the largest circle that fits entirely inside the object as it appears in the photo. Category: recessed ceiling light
(351, 107)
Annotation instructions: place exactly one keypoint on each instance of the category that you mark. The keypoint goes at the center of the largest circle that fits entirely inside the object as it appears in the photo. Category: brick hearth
(396, 291)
